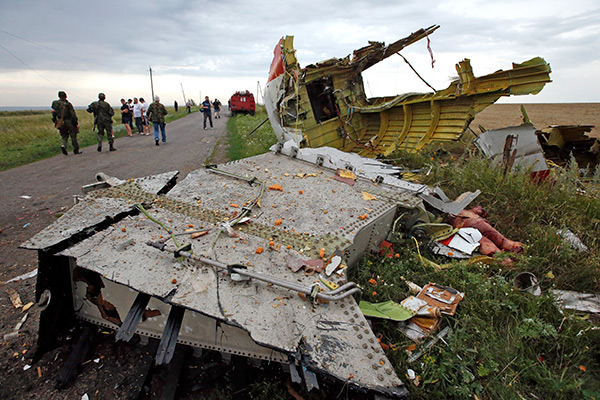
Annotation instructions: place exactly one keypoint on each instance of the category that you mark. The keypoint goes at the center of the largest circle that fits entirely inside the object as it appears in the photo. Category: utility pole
(259, 92)
(151, 83)
(184, 100)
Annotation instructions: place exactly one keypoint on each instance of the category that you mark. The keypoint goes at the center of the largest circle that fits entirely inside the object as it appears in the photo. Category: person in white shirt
(145, 116)
(137, 115)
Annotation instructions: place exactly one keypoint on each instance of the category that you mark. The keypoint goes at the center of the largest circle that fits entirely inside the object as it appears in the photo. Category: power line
(27, 65)
(54, 50)
(37, 72)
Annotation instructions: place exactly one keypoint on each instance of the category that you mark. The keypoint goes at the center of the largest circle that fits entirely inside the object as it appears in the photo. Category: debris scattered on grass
(14, 298)
(586, 302)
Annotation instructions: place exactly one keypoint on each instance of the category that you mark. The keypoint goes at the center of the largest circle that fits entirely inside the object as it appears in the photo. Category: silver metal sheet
(529, 151)
(92, 210)
(316, 212)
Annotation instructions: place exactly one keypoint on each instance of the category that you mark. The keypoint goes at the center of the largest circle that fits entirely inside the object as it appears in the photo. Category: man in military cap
(65, 120)
(103, 113)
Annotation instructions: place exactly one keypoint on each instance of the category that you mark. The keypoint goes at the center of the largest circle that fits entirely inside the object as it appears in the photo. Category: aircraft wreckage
(325, 104)
(251, 258)
(255, 257)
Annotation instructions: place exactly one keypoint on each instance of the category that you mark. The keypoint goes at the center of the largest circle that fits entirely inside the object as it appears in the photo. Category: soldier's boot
(99, 148)
(77, 152)
(111, 147)
(64, 150)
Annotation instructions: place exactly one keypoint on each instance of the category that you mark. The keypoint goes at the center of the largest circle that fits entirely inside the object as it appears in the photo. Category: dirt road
(34, 195)
(49, 185)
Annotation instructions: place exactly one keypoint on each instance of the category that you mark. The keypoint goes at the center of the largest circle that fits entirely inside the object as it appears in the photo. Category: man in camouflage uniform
(65, 120)
(156, 114)
(103, 113)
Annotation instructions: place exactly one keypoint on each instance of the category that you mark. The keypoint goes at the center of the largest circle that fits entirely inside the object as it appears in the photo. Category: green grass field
(29, 136)
(505, 344)
(242, 144)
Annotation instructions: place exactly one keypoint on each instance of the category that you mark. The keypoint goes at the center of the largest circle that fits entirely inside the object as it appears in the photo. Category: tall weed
(242, 144)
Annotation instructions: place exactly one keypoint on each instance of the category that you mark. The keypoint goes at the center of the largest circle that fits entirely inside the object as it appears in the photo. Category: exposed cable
(51, 49)
(27, 65)
(415, 71)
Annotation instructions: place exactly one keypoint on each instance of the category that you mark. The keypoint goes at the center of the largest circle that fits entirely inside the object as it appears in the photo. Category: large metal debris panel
(95, 209)
(311, 213)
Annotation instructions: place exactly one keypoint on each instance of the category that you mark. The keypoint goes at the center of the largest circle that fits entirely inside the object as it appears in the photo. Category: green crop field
(29, 136)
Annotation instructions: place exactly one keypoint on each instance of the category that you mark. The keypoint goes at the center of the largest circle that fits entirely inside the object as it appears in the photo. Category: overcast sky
(217, 47)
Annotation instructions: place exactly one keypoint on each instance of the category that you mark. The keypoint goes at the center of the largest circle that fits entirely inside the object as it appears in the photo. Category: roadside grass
(241, 143)
(505, 344)
(29, 136)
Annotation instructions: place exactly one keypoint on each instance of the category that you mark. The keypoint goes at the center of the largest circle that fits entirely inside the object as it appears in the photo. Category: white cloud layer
(217, 47)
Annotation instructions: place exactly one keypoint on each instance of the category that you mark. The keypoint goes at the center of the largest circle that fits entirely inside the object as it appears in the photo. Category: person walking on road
(137, 115)
(188, 105)
(206, 110)
(65, 120)
(130, 104)
(126, 116)
(145, 117)
(156, 114)
(103, 113)
(217, 107)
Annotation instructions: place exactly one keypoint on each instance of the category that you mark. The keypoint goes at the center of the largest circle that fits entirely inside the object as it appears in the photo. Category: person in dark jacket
(126, 115)
(103, 113)
(206, 110)
(65, 120)
(156, 114)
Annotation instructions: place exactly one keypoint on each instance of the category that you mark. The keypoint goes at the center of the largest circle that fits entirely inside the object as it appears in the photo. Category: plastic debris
(586, 302)
(440, 249)
(427, 318)
(336, 260)
(443, 297)
(14, 298)
(413, 287)
(527, 282)
(441, 334)
(572, 240)
(386, 310)
(466, 240)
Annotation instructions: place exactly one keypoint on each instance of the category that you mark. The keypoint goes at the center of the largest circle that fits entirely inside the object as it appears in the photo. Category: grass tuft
(241, 143)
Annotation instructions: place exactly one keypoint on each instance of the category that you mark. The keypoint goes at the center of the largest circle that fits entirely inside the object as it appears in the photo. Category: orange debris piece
(276, 187)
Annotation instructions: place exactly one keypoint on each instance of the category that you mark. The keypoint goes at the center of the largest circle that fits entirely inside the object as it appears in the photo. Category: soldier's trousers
(109, 133)
(67, 131)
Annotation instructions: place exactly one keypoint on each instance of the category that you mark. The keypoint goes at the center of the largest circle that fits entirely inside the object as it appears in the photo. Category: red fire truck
(242, 102)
